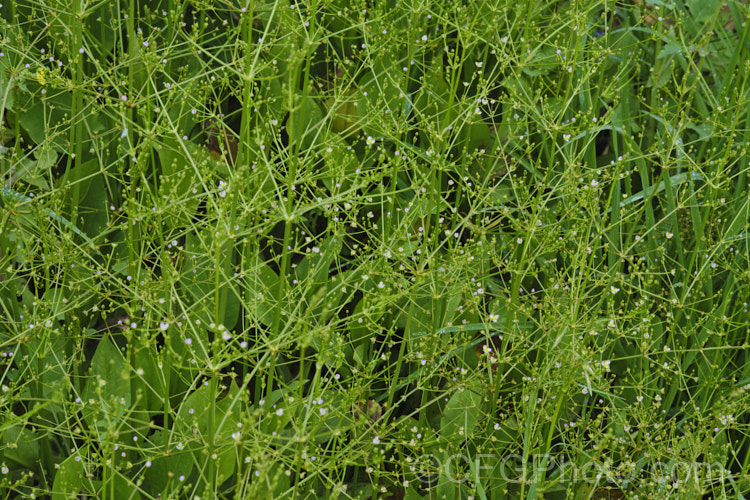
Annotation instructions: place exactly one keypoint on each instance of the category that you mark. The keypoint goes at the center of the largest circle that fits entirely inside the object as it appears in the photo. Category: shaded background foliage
(276, 249)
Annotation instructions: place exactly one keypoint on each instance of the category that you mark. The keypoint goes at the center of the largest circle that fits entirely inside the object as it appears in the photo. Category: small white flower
(370, 141)
(376, 440)
(280, 412)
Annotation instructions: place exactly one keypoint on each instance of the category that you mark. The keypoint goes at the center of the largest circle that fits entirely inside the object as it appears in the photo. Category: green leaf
(461, 412)
(71, 478)
(539, 62)
(703, 10)
(675, 180)
(32, 171)
(6, 85)
(702, 129)
(314, 268)
(430, 104)
(178, 177)
(123, 486)
(200, 275)
(192, 423)
(109, 387)
(263, 289)
(380, 94)
(150, 380)
(305, 123)
(104, 33)
(179, 462)
(335, 419)
(24, 447)
(669, 49)
(340, 163)
(411, 494)
(48, 120)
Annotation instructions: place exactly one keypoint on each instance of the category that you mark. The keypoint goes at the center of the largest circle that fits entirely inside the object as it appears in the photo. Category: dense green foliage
(353, 249)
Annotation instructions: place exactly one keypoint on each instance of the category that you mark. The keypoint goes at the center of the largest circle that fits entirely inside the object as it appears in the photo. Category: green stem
(401, 354)
(128, 119)
(211, 431)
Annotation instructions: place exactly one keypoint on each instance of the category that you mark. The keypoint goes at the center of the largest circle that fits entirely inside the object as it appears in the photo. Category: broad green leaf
(343, 112)
(200, 277)
(330, 418)
(105, 33)
(671, 48)
(315, 267)
(263, 289)
(340, 163)
(305, 124)
(124, 488)
(506, 433)
(461, 414)
(179, 178)
(109, 386)
(34, 172)
(21, 446)
(271, 480)
(193, 419)
(150, 378)
(380, 94)
(702, 11)
(411, 494)
(70, 478)
(178, 462)
(675, 181)
(702, 129)
(92, 201)
(476, 136)
(539, 62)
(47, 120)
(361, 331)
(6, 85)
